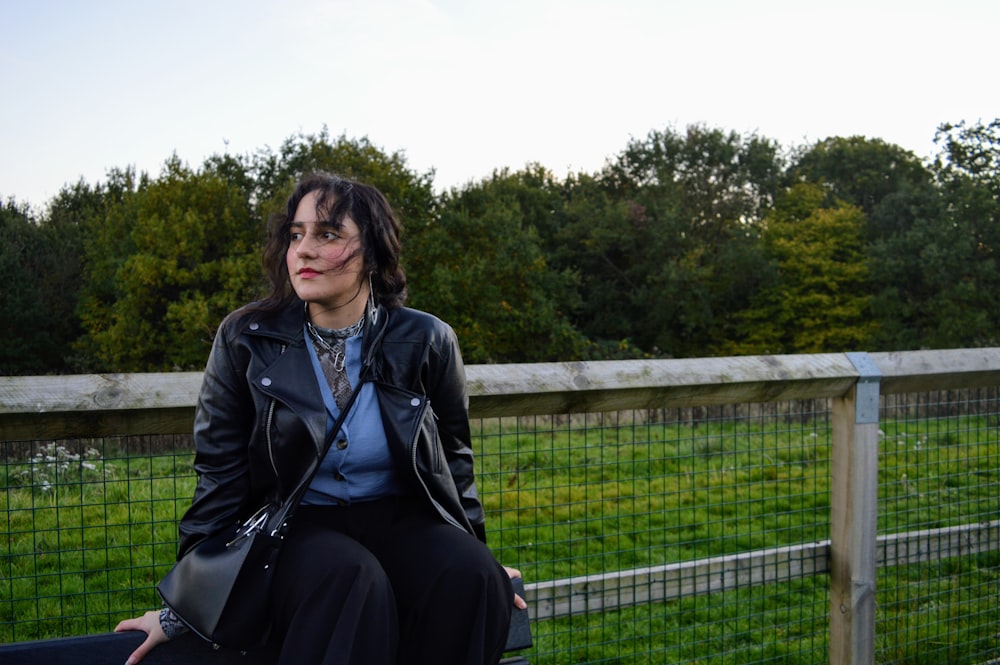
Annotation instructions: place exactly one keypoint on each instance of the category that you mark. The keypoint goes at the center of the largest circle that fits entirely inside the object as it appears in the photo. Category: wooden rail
(604, 591)
(57, 407)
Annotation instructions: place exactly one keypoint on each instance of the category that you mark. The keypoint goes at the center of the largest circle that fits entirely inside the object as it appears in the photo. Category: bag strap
(286, 509)
(300, 489)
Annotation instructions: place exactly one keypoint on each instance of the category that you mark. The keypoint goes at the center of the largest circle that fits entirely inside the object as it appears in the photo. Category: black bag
(220, 589)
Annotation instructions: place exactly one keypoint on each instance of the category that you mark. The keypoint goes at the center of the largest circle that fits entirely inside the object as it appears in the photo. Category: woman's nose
(305, 247)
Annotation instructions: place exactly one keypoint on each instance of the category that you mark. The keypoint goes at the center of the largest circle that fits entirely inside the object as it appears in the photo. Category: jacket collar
(286, 325)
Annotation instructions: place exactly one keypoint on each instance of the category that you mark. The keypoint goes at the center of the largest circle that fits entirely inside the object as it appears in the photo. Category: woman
(385, 560)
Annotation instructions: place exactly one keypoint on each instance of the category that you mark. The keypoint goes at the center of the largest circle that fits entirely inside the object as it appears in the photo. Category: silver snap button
(415, 401)
(254, 326)
(266, 381)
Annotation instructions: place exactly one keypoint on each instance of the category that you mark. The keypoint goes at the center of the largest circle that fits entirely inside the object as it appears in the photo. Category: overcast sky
(466, 87)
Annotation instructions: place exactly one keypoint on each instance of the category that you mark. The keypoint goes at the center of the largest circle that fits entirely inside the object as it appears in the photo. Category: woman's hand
(148, 623)
(518, 601)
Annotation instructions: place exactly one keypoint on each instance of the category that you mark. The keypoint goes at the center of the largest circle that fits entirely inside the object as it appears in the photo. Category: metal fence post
(853, 515)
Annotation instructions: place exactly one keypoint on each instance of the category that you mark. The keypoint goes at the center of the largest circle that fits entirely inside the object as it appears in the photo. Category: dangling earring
(372, 309)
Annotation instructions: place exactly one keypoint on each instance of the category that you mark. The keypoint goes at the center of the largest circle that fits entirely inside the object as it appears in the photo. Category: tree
(820, 302)
(480, 266)
(602, 240)
(860, 171)
(107, 243)
(192, 254)
(410, 194)
(40, 271)
(673, 225)
(23, 345)
(938, 272)
(904, 283)
(169, 257)
(971, 151)
(967, 171)
(66, 219)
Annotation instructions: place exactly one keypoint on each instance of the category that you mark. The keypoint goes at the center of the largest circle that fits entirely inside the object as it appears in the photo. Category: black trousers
(387, 583)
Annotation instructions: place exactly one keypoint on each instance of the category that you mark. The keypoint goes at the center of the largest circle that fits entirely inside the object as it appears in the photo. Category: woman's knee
(324, 571)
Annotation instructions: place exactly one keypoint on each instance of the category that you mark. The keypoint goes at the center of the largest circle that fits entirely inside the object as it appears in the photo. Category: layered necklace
(334, 340)
(331, 348)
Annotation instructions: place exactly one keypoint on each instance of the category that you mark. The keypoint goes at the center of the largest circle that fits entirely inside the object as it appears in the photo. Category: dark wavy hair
(337, 198)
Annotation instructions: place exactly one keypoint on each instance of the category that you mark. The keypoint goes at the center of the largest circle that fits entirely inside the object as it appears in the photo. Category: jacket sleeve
(223, 424)
(446, 389)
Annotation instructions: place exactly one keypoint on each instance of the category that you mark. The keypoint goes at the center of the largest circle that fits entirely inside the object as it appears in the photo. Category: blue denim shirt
(358, 466)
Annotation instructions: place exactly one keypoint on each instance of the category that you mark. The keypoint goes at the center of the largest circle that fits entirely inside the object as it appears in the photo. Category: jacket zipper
(267, 428)
(270, 443)
(416, 472)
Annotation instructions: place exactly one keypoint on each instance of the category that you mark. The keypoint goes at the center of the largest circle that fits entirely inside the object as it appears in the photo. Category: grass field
(89, 534)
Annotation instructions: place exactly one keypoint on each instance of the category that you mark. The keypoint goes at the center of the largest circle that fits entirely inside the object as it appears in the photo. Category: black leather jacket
(260, 422)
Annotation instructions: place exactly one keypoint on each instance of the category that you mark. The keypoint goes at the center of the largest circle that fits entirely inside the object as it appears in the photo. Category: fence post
(853, 515)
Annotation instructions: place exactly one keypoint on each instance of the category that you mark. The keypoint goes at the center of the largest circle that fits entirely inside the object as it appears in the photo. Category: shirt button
(338, 476)
(341, 444)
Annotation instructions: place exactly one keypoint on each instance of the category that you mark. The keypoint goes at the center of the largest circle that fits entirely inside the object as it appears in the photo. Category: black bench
(114, 648)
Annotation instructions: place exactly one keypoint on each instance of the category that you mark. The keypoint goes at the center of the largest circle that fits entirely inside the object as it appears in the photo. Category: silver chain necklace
(337, 351)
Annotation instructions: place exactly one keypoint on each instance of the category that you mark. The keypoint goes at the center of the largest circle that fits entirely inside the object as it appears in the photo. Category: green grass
(83, 547)
(606, 499)
(571, 497)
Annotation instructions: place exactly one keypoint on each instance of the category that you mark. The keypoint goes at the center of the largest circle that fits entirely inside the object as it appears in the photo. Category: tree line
(687, 243)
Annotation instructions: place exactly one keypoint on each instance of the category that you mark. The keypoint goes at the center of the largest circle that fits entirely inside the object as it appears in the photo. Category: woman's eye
(296, 236)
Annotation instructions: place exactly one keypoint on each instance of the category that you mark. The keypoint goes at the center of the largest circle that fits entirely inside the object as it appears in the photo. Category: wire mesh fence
(617, 494)
(90, 527)
(692, 535)
(939, 482)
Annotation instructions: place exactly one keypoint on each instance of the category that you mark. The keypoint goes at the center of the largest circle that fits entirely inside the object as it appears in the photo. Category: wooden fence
(58, 407)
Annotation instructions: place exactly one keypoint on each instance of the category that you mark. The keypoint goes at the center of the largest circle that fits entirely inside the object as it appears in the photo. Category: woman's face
(325, 265)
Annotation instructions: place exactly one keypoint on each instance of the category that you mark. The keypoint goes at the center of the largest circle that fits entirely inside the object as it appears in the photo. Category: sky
(467, 87)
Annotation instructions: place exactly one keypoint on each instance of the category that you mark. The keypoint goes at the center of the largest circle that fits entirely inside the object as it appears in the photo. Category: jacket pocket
(411, 428)
(412, 433)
